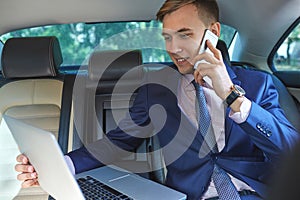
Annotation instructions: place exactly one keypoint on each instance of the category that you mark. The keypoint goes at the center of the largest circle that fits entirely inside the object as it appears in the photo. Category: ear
(216, 28)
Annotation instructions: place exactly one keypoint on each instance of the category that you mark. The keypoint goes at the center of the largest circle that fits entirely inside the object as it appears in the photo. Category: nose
(173, 47)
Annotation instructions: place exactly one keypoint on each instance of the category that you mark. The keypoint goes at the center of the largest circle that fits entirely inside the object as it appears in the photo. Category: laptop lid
(45, 155)
(55, 177)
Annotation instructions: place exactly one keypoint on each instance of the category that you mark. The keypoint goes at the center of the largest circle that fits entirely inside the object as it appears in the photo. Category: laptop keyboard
(93, 189)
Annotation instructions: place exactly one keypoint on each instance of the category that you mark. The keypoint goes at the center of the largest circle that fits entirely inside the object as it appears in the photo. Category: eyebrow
(183, 30)
(178, 31)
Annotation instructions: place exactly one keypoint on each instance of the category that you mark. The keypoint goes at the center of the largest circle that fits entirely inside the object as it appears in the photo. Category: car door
(284, 60)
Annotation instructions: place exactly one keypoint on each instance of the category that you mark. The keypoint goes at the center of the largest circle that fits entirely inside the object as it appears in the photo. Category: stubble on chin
(185, 69)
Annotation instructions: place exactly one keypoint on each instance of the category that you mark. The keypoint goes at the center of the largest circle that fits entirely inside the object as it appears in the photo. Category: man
(251, 132)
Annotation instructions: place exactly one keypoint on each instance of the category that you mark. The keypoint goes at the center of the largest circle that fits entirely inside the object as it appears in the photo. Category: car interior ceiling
(55, 87)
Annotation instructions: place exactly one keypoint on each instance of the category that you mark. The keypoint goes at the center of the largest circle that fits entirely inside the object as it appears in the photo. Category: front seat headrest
(30, 57)
(112, 65)
(221, 45)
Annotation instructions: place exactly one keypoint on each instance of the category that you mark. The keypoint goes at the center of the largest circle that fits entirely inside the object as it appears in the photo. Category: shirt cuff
(70, 164)
(240, 117)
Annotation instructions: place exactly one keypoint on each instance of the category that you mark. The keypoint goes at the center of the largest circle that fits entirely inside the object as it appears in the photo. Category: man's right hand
(28, 174)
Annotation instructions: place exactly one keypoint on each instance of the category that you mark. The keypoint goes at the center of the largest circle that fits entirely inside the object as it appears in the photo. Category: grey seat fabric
(30, 91)
(289, 104)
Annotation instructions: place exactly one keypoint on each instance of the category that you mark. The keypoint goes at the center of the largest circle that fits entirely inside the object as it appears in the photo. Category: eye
(183, 36)
(167, 37)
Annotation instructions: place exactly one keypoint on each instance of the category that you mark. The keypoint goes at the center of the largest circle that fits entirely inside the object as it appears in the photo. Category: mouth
(181, 61)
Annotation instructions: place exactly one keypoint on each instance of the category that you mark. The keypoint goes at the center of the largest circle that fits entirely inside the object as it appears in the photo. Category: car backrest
(31, 91)
(110, 89)
(105, 69)
(93, 91)
(118, 74)
(289, 104)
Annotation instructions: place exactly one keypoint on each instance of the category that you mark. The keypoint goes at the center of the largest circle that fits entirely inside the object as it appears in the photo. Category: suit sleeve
(267, 124)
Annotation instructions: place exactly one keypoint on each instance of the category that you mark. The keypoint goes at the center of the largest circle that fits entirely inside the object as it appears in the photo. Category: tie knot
(196, 85)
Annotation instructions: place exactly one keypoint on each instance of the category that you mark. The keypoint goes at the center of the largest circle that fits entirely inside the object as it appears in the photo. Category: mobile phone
(213, 38)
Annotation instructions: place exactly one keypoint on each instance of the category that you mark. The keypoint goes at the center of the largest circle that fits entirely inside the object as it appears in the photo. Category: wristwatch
(236, 91)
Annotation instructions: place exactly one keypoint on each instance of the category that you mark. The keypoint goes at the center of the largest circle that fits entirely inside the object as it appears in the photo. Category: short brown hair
(208, 10)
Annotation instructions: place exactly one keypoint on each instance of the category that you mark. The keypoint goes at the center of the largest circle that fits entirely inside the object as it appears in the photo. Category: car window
(78, 40)
(287, 57)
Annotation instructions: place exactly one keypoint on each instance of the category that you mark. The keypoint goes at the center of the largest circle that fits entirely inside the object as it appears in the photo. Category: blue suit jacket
(251, 148)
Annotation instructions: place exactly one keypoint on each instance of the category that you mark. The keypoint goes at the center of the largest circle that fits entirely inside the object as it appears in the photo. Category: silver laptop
(55, 177)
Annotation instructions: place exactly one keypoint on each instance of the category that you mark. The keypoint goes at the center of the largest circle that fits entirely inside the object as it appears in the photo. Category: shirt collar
(187, 79)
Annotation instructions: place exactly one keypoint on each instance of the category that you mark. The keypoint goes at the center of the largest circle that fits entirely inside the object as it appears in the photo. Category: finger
(22, 159)
(200, 57)
(196, 74)
(198, 77)
(214, 50)
(26, 176)
(24, 168)
(204, 58)
(29, 183)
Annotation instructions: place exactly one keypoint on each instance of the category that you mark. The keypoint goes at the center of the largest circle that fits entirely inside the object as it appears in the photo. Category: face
(183, 31)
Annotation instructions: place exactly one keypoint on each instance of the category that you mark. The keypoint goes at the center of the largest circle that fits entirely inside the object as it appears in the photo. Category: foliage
(288, 55)
(79, 40)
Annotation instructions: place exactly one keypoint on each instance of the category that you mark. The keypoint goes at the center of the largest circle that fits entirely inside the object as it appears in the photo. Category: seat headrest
(221, 45)
(112, 65)
(31, 57)
(121, 68)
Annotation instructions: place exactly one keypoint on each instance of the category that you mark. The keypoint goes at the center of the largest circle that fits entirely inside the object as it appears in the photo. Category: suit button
(269, 133)
(264, 129)
(258, 125)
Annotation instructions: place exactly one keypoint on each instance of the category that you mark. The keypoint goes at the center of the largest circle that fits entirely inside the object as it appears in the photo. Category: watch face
(239, 90)
(236, 92)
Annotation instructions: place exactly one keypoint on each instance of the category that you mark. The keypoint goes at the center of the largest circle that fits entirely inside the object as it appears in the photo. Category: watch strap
(236, 91)
(231, 98)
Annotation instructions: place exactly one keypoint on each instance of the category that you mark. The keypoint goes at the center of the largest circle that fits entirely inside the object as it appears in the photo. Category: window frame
(270, 59)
